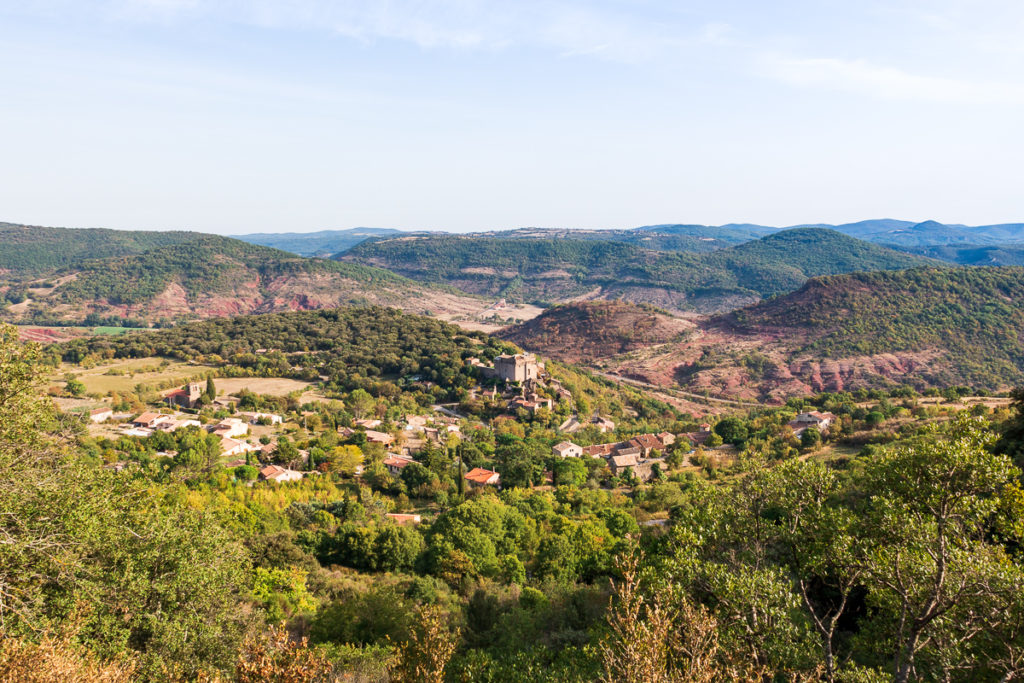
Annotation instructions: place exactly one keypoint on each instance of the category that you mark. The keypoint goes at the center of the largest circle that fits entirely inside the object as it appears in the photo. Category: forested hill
(28, 251)
(592, 330)
(967, 321)
(355, 346)
(213, 276)
(548, 270)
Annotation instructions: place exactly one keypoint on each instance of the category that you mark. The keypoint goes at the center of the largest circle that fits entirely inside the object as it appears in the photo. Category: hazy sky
(294, 115)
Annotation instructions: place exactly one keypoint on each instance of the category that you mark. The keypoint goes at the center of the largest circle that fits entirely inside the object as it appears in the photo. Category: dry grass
(270, 386)
(136, 371)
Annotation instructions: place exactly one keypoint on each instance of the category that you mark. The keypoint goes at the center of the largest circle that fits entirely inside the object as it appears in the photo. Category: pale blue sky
(294, 115)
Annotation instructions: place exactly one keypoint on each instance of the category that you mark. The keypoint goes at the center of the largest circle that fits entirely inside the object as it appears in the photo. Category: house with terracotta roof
(601, 450)
(147, 420)
(279, 474)
(100, 415)
(647, 443)
(379, 437)
(396, 463)
(479, 476)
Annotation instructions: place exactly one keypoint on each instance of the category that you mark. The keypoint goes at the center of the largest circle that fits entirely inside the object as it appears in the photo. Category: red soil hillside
(593, 330)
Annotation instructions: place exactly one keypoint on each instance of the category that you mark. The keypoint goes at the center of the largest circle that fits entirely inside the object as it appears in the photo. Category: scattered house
(603, 424)
(628, 450)
(100, 415)
(367, 424)
(396, 463)
(256, 417)
(186, 397)
(647, 443)
(147, 420)
(404, 519)
(279, 474)
(642, 468)
(230, 428)
(172, 425)
(345, 432)
(601, 450)
(416, 420)
(702, 434)
(821, 421)
(231, 464)
(531, 404)
(230, 447)
(618, 464)
(518, 368)
(379, 437)
(478, 476)
(567, 449)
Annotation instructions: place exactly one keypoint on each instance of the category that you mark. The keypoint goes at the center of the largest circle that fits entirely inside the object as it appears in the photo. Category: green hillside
(550, 270)
(209, 265)
(971, 316)
(28, 251)
(209, 277)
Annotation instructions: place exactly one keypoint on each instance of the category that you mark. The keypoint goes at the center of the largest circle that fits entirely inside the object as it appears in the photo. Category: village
(253, 438)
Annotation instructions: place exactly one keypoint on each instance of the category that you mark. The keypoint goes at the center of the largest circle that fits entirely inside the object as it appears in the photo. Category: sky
(238, 116)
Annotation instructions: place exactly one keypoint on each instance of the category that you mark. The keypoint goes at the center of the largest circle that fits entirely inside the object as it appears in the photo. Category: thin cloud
(862, 77)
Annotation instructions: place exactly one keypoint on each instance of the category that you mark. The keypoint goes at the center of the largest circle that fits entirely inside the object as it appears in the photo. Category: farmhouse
(230, 447)
(379, 437)
(567, 449)
(478, 476)
(257, 417)
(147, 420)
(396, 463)
(231, 427)
(100, 415)
(821, 421)
(278, 473)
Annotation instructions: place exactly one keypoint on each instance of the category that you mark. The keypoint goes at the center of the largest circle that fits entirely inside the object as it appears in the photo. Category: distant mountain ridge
(562, 270)
(323, 243)
(696, 238)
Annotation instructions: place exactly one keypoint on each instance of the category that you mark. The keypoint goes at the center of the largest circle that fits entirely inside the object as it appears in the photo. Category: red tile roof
(479, 475)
